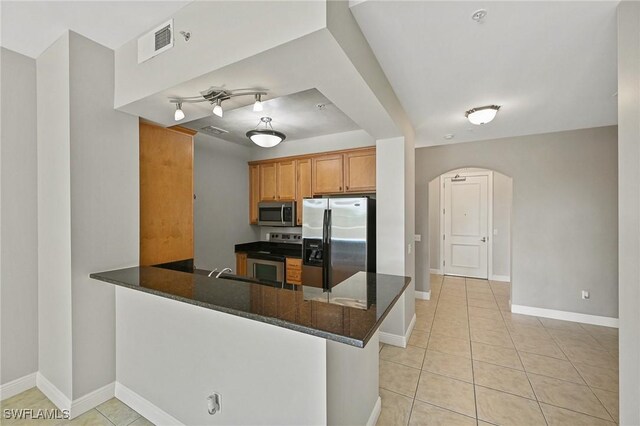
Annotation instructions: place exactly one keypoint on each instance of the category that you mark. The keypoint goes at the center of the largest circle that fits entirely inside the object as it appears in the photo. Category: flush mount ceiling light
(267, 137)
(215, 96)
(482, 115)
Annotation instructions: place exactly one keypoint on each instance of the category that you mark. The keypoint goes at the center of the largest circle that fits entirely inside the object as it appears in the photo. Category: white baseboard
(435, 271)
(92, 400)
(17, 386)
(144, 407)
(396, 339)
(564, 315)
(375, 413)
(54, 394)
(503, 278)
(423, 295)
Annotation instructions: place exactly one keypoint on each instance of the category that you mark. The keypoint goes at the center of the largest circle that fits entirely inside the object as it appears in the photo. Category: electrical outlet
(409, 248)
(417, 237)
(585, 294)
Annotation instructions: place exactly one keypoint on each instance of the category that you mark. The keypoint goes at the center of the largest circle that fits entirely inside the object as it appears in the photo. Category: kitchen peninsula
(276, 354)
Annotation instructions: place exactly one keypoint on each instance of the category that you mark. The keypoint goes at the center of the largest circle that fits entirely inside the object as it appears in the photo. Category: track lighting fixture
(267, 137)
(257, 106)
(216, 96)
(217, 110)
(179, 114)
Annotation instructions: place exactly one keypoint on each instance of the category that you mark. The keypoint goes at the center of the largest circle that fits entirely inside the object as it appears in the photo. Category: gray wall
(564, 217)
(629, 208)
(104, 208)
(19, 218)
(87, 211)
(501, 206)
(54, 217)
(221, 209)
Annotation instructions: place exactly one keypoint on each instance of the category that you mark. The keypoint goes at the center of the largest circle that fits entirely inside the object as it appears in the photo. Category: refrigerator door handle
(326, 249)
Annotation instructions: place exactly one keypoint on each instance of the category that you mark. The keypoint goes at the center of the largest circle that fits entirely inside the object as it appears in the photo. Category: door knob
(484, 239)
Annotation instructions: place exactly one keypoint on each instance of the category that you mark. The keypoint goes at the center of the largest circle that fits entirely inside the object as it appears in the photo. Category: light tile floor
(471, 361)
(110, 413)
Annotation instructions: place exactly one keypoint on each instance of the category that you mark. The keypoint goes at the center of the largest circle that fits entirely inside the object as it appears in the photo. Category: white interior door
(466, 237)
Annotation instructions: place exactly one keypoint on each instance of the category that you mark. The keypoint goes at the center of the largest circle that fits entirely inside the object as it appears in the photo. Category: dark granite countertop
(350, 313)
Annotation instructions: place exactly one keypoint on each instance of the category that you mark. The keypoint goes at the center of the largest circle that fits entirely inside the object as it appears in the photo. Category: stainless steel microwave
(272, 213)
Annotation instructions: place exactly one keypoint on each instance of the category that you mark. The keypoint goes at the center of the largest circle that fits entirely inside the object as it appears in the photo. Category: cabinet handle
(347, 187)
(340, 188)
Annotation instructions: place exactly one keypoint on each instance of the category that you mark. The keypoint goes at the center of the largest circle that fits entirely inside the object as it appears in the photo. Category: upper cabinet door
(303, 186)
(360, 171)
(254, 193)
(328, 174)
(286, 180)
(268, 182)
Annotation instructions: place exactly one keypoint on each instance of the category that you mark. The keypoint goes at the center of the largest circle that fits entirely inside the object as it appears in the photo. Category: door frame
(470, 172)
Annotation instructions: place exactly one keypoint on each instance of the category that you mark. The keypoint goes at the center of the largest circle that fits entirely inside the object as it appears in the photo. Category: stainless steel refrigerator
(338, 239)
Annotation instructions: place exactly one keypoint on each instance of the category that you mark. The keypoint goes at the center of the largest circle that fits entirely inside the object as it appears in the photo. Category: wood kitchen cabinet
(286, 180)
(303, 185)
(241, 264)
(254, 193)
(328, 174)
(293, 269)
(360, 171)
(350, 171)
(268, 182)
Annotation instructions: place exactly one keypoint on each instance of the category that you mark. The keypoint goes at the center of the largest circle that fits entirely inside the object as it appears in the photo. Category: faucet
(223, 271)
(212, 272)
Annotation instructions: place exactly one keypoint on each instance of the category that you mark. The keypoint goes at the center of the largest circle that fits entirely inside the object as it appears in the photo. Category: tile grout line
(473, 373)
(415, 394)
(580, 374)
(525, 372)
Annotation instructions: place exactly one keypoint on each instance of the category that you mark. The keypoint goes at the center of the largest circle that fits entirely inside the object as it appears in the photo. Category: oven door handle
(282, 214)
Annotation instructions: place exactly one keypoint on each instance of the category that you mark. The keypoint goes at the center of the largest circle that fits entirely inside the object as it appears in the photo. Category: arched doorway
(470, 224)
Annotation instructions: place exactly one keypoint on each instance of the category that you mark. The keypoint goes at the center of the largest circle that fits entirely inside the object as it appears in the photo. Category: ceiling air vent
(155, 41)
(213, 130)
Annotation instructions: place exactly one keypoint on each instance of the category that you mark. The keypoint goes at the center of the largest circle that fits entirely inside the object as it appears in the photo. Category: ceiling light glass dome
(482, 115)
(267, 137)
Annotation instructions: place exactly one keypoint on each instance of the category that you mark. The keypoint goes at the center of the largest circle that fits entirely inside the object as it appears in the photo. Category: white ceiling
(296, 115)
(552, 66)
(30, 27)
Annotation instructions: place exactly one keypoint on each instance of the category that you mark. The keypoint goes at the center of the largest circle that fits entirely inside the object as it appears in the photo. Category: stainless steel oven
(271, 213)
(265, 267)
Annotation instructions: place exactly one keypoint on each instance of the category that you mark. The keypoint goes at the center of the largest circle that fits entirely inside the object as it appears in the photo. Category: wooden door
(328, 174)
(166, 194)
(360, 171)
(268, 182)
(286, 180)
(466, 226)
(254, 193)
(303, 185)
